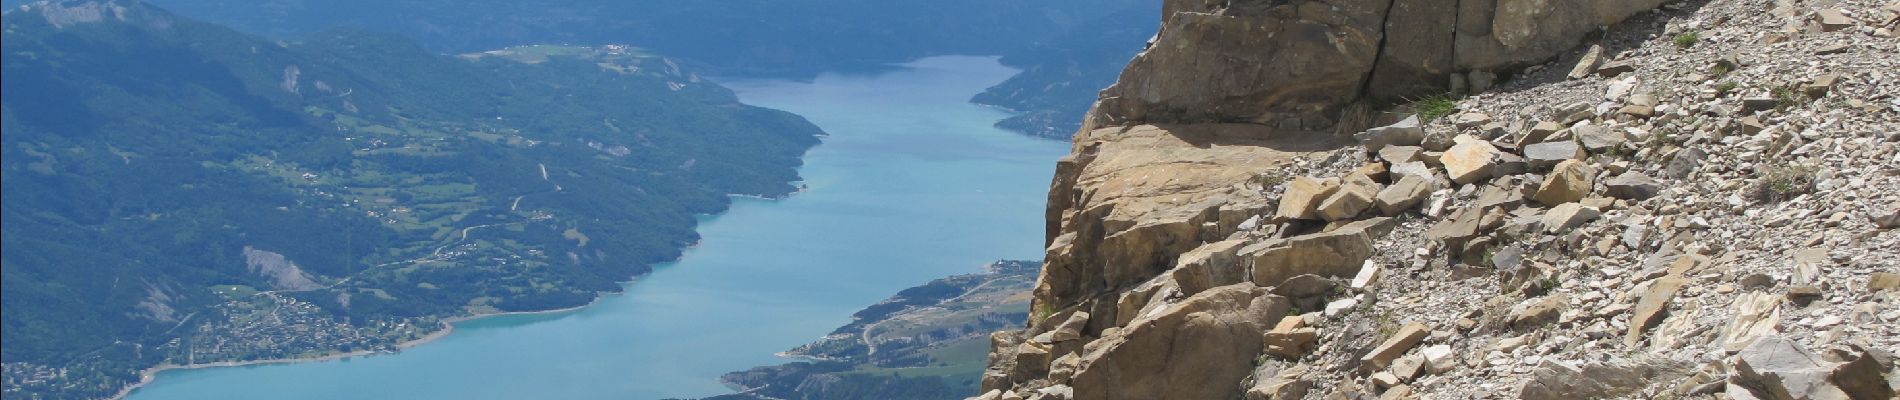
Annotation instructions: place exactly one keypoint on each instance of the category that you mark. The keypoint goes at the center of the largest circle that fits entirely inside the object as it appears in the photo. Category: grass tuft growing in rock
(1431, 108)
(1686, 39)
(1778, 184)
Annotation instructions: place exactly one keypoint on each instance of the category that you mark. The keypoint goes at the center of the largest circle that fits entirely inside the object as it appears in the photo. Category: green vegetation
(1431, 108)
(1687, 39)
(1786, 97)
(1776, 184)
(143, 157)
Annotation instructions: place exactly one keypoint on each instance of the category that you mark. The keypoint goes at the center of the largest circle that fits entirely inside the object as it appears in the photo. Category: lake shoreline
(147, 376)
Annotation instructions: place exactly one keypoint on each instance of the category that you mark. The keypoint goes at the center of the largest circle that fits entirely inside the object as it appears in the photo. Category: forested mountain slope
(178, 192)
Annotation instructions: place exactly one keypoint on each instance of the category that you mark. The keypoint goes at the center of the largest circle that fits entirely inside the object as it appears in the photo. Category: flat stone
(1756, 315)
(1809, 266)
(1470, 120)
(1288, 385)
(1685, 163)
(1402, 196)
(1569, 215)
(1408, 367)
(1368, 275)
(1588, 64)
(1400, 154)
(1470, 160)
(1750, 125)
(1407, 337)
(1414, 168)
(1352, 199)
(1545, 155)
(1820, 86)
(1833, 20)
(1560, 380)
(1438, 358)
(1650, 308)
(1335, 253)
(1599, 138)
(1832, 49)
(1615, 68)
(1535, 313)
(1782, 369)
(1407, 132)
(1862, 378)
(1539, 132)
(1290, 339)
(1887, 218)
(1883, 281)
(1303, 196)
(1632, 185)
(1758, 103)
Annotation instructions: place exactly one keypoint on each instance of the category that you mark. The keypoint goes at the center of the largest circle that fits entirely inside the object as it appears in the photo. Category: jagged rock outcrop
(1539, 243)
(1298, 64)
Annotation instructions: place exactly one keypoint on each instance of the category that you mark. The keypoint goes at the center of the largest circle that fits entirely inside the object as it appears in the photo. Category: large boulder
(1403, 195)
(1569, 182)
(1298, 64)
(1632, 185)
(1777, 368)
(1564, 380)
(1303, 197)
(1407, 132)
(1200, 348)
(1352, 199)
(1337, 253)
(1546, 155)
(1471, 160)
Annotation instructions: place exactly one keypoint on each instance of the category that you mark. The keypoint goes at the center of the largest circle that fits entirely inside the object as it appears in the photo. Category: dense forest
(163, 175)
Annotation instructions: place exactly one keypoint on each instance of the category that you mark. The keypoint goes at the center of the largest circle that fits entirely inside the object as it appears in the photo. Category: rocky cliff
(1294, 199)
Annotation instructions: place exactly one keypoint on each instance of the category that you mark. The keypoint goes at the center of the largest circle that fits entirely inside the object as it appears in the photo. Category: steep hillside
(1696, 201)
(1062, 74)
(924, 343)
(180, 193)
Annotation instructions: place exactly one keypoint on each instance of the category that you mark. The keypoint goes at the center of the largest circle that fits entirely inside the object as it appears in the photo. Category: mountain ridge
(349, 183)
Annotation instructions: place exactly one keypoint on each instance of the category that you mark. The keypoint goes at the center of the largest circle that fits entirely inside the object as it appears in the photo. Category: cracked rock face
(1297, 64)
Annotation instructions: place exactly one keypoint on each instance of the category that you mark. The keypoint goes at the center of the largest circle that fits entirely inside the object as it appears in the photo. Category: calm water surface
(913, 184)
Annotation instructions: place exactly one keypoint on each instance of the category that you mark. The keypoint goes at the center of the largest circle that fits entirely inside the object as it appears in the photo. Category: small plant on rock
(1431, 108)
(1723, 89)
(1786, 98)
(1783, 183)
(1269, 180)
(1686, 39)
(1043, 311)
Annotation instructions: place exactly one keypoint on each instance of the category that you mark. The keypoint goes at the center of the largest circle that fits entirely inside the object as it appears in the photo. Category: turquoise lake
(913, 184)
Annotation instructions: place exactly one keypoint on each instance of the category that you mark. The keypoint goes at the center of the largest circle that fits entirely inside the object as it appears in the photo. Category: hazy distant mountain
(1062, 76)
(179, 192)
(1069, 49)
(752, 37)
